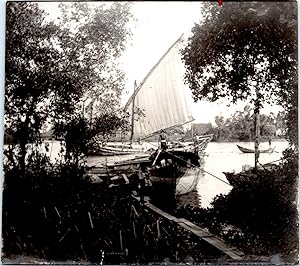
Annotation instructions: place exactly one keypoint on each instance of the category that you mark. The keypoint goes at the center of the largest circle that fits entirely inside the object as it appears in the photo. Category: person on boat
(163, 140)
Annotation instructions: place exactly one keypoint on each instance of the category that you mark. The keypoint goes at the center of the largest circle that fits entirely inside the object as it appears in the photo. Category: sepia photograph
(150, 133)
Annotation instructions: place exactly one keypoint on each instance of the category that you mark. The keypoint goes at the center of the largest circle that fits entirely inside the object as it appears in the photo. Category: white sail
(162, 96)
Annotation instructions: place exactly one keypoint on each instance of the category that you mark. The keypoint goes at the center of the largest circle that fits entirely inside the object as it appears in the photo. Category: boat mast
(132, 114)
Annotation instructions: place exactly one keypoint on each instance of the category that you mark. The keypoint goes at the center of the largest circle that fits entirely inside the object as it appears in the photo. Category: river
(219, 157)
(226, 157)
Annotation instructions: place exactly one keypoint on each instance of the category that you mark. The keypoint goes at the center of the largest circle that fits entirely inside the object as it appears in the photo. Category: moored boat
(249, 175)
(247, 150)
(235, 179)
(162, 97)
(112, 151)
(177, 171)
(198, 146)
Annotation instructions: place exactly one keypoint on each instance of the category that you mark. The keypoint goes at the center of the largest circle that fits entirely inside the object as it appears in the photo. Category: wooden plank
(162, 213)
(125, 178)
(138, 198)
(196, 228)
(199, 233)
(217, 243)
(222, 246)
(232, 252)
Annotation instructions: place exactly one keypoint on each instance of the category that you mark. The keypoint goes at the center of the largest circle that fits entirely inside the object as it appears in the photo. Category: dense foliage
(248, 51)
(259, 215)
(243, 51)
(53, 68)
(240, 127)
(59, 215)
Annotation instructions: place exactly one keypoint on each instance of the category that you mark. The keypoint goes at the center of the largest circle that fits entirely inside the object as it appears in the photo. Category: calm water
(226, 157)
(220, 157)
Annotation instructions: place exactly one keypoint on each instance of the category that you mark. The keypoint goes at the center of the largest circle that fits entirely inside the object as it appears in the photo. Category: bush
(55, 213)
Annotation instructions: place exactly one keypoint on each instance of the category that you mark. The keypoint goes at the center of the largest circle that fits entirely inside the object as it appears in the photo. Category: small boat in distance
(246, 150)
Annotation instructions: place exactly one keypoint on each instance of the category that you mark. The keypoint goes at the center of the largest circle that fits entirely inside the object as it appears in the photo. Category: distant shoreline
(264, 140)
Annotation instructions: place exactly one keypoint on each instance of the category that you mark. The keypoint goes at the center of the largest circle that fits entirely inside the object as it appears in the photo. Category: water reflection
(192, 199)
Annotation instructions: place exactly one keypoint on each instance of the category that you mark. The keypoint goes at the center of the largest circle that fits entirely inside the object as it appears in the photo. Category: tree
(239, 127)
(248, 51)
(222, 130)
(29, 62)
(51, 68)
(244, 51)
(92, 40)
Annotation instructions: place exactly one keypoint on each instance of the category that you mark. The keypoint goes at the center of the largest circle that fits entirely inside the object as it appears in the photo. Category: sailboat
(162, 103)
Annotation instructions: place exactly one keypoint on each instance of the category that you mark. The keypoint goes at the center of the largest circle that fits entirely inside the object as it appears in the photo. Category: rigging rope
(216, 177)
(193, 165)
(207, 171)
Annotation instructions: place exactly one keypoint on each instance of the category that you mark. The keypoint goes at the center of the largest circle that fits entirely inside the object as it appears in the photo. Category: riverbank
(262, 139)
(80, 221)
(259, 215)
(126, 232)
(59, 215)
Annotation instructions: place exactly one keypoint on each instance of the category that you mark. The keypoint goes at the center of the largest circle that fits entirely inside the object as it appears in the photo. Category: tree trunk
(22, 155)
(256, 130)
(91, 114)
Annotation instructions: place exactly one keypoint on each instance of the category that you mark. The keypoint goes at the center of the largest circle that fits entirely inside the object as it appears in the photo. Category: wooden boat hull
(177, 175)
(185, 181)
(171, 174)
(111, 151)
(246, 150)
(236, 179)
(190, 146)
(126, 149)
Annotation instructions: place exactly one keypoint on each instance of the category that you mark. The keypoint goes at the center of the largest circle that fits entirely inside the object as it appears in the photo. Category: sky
(158, 26)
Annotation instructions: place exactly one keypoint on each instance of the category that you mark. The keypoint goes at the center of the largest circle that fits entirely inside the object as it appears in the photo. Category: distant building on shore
(199, 128)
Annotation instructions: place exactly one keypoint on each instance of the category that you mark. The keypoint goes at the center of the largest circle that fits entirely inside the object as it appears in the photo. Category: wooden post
(132, 115)
(91, 221)
(133, 225)
(121, 241)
